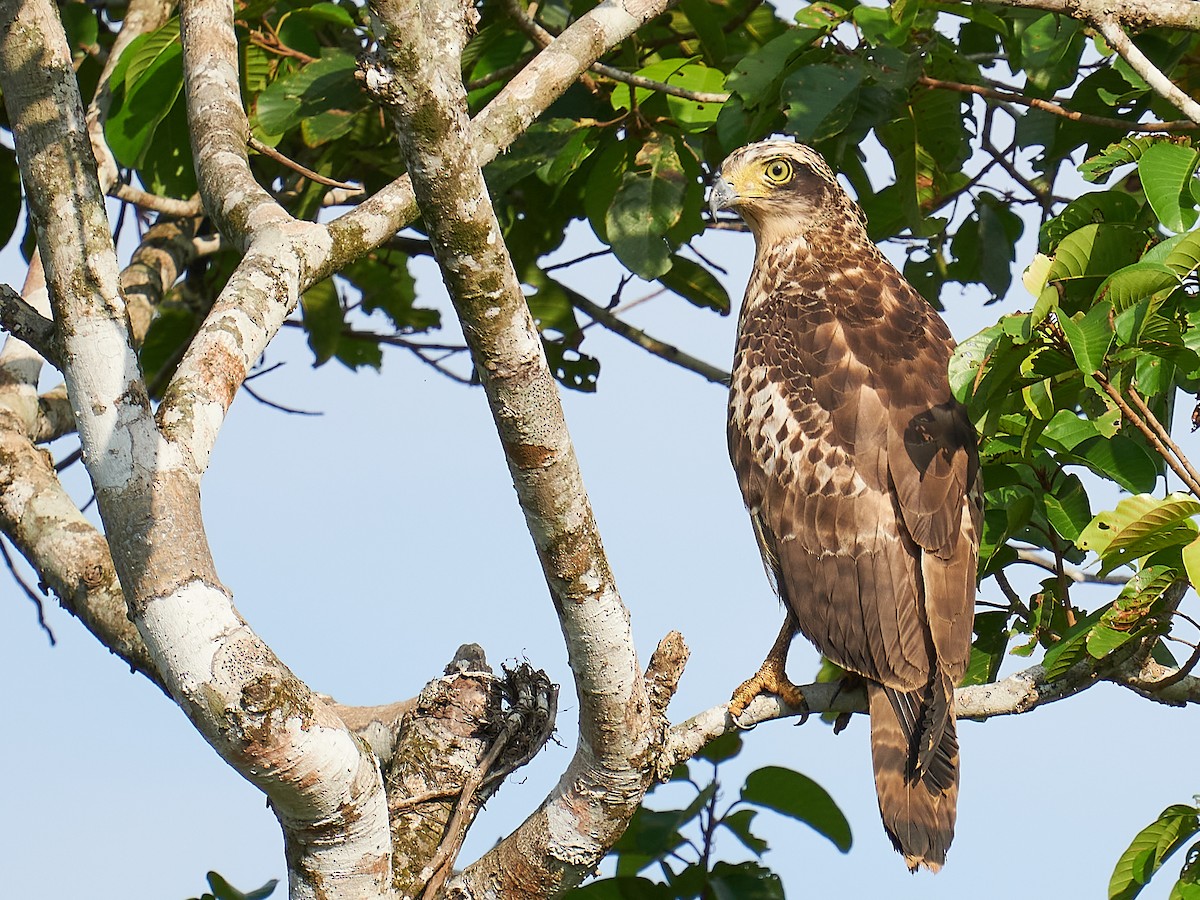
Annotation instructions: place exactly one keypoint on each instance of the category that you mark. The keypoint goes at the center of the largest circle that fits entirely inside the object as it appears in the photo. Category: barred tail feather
(918, 803)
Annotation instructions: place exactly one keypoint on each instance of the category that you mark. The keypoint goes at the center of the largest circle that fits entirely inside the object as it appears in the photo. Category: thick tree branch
(560, 843)
(508, 114)
(1183, 14)
(324, 786)
(1140, 63)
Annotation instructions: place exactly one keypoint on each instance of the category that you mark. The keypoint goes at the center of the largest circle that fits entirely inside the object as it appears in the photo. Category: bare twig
(1077, 575)
(1011, 96)
(543, 38)
(1150, 73)
(34, 597)
(1164, 435)
(266, 150)
(1186, 476)
(661, 349)
(279, 406)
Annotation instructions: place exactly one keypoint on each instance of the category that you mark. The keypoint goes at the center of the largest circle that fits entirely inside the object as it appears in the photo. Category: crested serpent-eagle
(861, 474)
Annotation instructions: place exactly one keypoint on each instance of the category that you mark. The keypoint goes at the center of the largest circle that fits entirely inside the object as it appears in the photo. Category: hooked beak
(722, 196)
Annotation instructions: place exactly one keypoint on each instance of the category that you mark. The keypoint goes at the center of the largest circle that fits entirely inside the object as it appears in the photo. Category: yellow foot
(770, 679)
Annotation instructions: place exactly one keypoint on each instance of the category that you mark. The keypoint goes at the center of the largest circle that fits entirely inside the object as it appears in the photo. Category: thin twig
(1150, 73)
(270, 152)
(1140, 424)
(544, 38)
(279, 406)
(1076, 575)
(1163, 433)
(34, 598)
(1011, 96)
(1182, 672)
(661, 349)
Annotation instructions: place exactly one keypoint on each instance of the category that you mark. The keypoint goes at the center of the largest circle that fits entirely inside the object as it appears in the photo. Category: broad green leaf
(818, 99)
(659, 71)
(1050, 49)
(1151, 847)
(1119, 458)
(727, 746)
(744, 881)
(739, 823)
(1140, 281)
(1125, 151)
(223, 890)
(691, 115)
(321, 99)
(1071, 648)
(1089, 336)
(696, 284)
(1191, 561)
(1113, 207)
(1139, 526)
(801, 798)
(152, 82)
(1180, 254)
(987, 651)
(1166, 171)
(623, 888)
(644, 207)
(11, 195)
(1067, 507)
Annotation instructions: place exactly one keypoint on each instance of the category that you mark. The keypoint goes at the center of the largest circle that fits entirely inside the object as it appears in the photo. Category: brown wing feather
(861, 473)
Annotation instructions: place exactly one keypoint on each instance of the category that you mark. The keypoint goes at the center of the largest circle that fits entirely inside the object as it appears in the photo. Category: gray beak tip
(721, 196)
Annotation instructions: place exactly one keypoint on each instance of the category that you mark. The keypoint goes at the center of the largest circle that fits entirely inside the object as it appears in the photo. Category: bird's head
(780, 188)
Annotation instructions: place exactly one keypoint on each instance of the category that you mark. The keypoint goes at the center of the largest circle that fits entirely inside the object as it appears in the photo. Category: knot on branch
(662, 679)
(381, 81)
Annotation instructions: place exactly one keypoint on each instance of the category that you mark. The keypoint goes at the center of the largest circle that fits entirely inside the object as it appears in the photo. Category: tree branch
(323, 785)
(1011, 96)
(1140, 63)
(24, 322)
(661, 349)
(1135, 13)
(557, 846)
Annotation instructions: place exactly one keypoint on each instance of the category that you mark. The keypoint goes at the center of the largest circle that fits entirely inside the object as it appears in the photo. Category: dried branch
(661, 349)
(1012, 96)
(270, 152)
(1164, 435)
(1140, 63)
(33, 596)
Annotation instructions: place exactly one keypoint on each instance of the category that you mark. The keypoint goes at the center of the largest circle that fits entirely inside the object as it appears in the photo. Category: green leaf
(690, 115)
(623, 888)
(1166, 171)
(321, 99)
(819, 99)
(744, 881)
(1067, 507)
(1140, 281)
(1191, 561)
(696, 284)
(739, 823)
(11, 197)
(151, 82)
(644, 208)
(1139, 526)
(1119, 458)
(987, 651)
(659, 71)
(727, 746)
(1113, 207)
(1150, 849)
(801, 798)
(1125, 151)
(1089, 336)
(223, 890)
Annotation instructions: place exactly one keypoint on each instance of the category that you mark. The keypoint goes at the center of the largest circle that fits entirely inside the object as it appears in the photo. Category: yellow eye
(779, 171)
